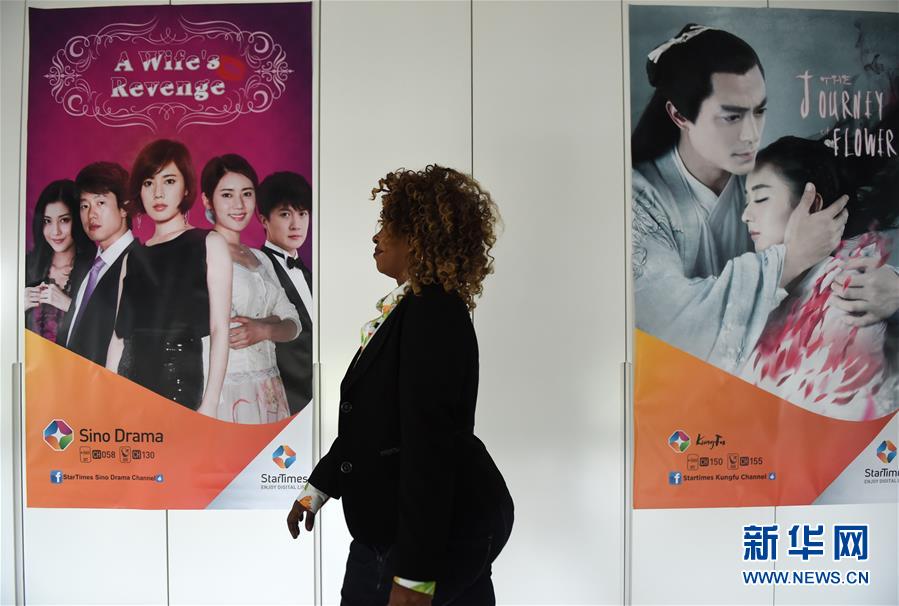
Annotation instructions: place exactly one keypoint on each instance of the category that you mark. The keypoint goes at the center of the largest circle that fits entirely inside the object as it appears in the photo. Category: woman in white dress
(261, 313)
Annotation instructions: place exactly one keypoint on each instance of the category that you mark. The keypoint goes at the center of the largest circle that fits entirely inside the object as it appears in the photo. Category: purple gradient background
(59, 145)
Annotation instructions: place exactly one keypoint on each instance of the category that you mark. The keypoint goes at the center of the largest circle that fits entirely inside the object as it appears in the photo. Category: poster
(168, 296)
(766, 368)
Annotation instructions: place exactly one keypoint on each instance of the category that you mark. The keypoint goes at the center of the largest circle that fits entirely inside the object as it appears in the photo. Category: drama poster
(767, 330)
(168, 293)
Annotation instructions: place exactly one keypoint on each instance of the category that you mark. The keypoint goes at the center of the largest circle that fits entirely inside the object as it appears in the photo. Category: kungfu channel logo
(58, 435)
(284, 456)
(679, 441)
(886, 452)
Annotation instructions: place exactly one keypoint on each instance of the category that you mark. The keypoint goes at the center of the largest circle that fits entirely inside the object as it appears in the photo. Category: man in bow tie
(284, 201)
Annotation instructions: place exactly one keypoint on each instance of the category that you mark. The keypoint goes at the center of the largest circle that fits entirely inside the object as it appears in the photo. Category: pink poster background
(278, 138)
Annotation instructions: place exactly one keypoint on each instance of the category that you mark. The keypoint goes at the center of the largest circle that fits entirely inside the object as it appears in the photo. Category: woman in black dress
(175, 290)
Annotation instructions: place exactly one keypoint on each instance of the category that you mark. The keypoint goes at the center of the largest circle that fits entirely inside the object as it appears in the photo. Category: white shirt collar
(112, 253)
(277, 248)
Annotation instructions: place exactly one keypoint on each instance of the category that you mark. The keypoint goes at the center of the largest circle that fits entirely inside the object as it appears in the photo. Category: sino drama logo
(284, 456)
(679, 441)
(886, 452)
(58, 435)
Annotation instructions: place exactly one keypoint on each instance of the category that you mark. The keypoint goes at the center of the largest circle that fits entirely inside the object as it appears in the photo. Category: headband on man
(690, 32)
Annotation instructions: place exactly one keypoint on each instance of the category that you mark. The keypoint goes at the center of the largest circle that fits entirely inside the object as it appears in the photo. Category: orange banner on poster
(124, 445)
(693, 419)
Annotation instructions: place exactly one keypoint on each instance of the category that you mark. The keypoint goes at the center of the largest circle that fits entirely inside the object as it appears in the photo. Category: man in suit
(284, 201)
(87, 326)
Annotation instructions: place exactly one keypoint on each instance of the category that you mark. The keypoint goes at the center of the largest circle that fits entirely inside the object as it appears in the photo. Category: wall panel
(694, 556)
(238, 557)
(95, 556)
(551, 325)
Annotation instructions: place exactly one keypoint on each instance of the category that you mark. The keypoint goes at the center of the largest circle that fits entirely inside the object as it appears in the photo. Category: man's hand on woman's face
(811, 236)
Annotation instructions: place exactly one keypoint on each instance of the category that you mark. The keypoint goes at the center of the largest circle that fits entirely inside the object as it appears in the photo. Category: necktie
(92, 280)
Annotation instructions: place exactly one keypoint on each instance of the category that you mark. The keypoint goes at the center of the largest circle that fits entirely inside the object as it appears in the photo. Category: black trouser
(465, 580)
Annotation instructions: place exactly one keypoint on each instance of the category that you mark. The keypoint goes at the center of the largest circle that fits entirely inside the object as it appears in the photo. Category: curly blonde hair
(450, 222)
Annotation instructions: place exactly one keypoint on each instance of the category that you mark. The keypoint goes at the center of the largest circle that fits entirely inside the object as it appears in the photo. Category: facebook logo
(56, 477)
(675, 478)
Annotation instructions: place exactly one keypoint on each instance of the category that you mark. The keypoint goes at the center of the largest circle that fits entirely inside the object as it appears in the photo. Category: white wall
(551, 329)
(529, 97)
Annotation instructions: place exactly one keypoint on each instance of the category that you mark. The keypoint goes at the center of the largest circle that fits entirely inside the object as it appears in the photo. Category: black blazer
(406, 461)
(295, 357)
(96, 321)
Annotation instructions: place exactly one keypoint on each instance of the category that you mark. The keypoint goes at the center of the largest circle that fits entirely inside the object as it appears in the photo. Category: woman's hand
(32, 297)
(299, 511)
(402, 596)
(249, 332)
(51, 294)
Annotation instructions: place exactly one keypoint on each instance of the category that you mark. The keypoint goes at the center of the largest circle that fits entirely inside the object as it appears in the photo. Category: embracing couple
(772, 264)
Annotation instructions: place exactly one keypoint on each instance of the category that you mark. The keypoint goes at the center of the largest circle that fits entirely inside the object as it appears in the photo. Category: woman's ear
(676, 116)
(206, 201)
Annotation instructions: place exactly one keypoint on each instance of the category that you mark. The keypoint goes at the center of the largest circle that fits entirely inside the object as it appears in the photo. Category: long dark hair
(871, 182)
(682, 74)
(37, 261)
